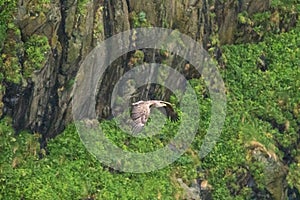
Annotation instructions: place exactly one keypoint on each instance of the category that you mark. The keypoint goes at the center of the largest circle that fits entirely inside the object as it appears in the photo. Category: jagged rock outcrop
(273, 169)
(199, 190)
(43, 103)
(191, 193)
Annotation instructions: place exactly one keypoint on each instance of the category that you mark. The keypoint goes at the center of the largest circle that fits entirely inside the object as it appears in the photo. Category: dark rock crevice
(74, 28)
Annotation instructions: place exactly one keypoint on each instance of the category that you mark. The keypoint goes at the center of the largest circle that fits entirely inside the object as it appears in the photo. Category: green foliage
(282, 16)
(34, 52)
(68, 171)
(36, 49)
(139, 20)
(263, 105)
(9, 63)
(70, 84)
(286, 4)
(262, 82)
(81, 6)
(13, 50)
(39, 7)
(243, 18)
(7, 8)
(293, 178)
(12, 47)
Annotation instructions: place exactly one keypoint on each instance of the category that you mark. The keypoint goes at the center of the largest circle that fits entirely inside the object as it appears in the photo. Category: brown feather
(141, 111)
(171, 113)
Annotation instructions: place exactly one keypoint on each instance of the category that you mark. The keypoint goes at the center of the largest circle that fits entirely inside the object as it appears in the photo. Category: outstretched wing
(171, 113)
(139, 114)
(141, 111)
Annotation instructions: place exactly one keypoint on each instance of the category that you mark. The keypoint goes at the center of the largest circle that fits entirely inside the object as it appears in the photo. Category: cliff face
(42, 103)
(73, 28)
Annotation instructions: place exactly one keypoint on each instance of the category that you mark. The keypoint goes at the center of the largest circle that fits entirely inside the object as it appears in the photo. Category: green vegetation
(98, 30)
(82, 7)
(34, 52)
(68, 171)
(262, 82)
(19, 58)
(139, 20)
(282, 16)
(263, 109)
(36, 48)
(5, 17)
(9, 65)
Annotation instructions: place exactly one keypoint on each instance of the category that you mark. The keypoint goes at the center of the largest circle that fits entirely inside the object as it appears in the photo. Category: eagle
(140, 112)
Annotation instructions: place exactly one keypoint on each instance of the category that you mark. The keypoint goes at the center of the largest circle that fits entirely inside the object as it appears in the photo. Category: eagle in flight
(141, 111)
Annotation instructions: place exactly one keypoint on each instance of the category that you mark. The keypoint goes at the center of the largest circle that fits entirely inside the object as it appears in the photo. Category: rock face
(42, 103)
(73, 28)
(197, 191)
(191, 193)
(274, 170)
